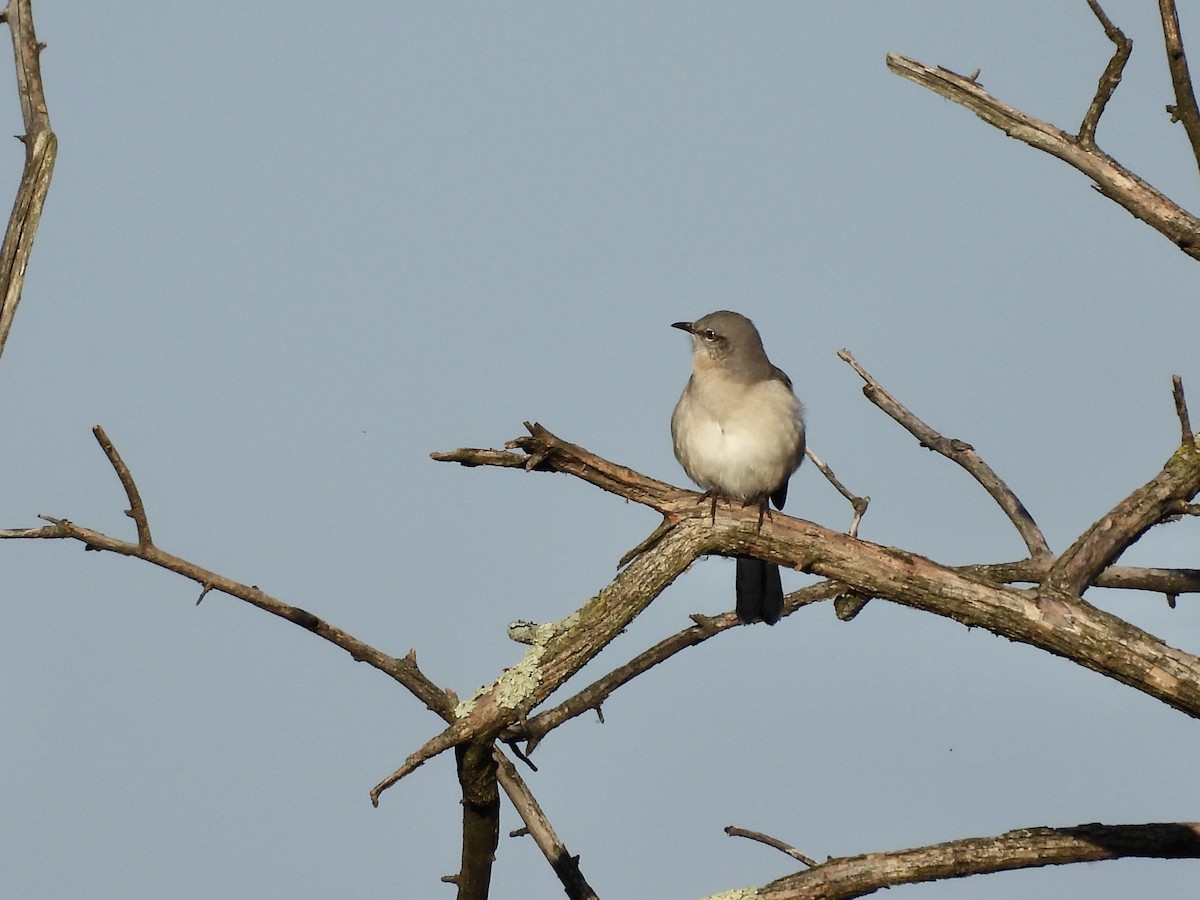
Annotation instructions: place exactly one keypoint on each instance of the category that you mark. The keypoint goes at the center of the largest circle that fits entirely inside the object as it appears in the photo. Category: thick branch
(1112, 179)
(1107, 539)
(481, 818)
(1170, 582)
(1089, 636)
(856, 876)
(41, 148)
(566, 646)
(592, 696)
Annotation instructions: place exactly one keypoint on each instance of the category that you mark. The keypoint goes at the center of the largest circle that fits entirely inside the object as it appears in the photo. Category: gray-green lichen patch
(464, 707)
(520, 681)
(517, 684)
(531, 632)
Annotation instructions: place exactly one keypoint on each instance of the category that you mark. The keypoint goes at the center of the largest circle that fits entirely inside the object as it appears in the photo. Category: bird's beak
(683, 326)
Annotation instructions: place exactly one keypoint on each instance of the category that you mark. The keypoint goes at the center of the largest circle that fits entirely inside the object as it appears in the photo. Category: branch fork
(1079, 150)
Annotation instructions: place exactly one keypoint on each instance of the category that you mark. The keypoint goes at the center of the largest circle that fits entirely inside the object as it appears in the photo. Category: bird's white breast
(740, 441)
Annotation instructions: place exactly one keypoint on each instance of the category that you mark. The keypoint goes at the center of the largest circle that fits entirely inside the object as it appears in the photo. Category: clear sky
(291, 248)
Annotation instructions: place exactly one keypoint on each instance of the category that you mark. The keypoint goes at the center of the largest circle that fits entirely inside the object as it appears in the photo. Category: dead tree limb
(1110, 78)
(1069, 627)
(1053, 617)
(476, 766)
(41, 149)
(1079, 150)
(478, 769)
(781, 846)
(1185, 110)
(537, 826)
(593, 696)
(404, 670)
(855, 876)
(959, 452)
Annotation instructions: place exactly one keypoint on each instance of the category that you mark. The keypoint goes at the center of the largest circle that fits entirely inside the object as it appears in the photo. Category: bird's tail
(759, 591)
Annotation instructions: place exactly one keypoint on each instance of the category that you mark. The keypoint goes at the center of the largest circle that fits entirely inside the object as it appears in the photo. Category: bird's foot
(764, 509)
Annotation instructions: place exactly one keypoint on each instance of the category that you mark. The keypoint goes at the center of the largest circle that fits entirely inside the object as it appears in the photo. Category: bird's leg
(764, 509)
(711, 495)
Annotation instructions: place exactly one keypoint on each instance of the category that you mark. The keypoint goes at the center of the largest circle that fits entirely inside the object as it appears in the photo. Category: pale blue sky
(289, 251)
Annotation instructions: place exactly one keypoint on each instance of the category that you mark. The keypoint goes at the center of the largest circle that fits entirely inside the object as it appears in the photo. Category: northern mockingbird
(738, 434)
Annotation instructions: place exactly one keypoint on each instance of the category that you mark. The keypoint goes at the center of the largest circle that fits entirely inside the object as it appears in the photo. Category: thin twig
(403, 670)
(1109, 79)
(543, 451)
(457, 733)
(859, 504)
(1185, 109)
(1181, 410)
(734, 831)
(41, 148)
(136, 510)
(956, 451)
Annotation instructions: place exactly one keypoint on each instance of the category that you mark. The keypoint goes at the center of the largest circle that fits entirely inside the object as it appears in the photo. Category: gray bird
(738, 433)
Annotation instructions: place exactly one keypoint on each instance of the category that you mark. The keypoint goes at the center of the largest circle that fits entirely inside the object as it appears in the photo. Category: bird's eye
(709, 334)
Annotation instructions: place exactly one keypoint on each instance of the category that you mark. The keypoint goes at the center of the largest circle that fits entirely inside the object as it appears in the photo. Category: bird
(738, 432)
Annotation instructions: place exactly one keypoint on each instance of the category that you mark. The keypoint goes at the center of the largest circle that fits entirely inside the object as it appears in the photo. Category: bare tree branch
(858, 568)
(1185, 109)
(41, 148)
(136, 510)
(1108, 538)
(1108, 80)
(855, 876)
(1111, 178)
(476, 766)
(1089, 636)
(859, 504)
(1129, 578)
(566, 646)
(960, 452)
(403, 670)
(1171, 582)
(542, 451)
(734, 831)
(565, 866)
(1181, 410)
(534, 729)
